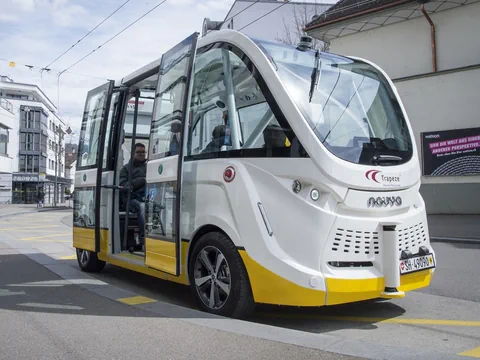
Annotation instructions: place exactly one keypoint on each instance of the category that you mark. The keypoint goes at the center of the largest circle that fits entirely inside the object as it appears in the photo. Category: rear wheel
(218, 277)
(88, 261)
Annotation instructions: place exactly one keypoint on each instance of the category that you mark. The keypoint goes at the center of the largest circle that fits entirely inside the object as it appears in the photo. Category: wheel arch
(205, 229)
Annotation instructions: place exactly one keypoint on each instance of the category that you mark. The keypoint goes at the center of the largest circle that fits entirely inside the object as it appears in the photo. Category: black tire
(239, 302)
(88, 261)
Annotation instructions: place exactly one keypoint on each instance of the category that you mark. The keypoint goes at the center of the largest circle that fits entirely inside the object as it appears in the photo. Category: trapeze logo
(389, 180)
(372, 175)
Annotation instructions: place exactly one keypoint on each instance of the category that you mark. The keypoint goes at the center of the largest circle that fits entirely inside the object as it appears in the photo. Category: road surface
(435, 323)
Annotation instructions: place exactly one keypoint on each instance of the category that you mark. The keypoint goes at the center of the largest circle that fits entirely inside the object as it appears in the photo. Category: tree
(302, 15)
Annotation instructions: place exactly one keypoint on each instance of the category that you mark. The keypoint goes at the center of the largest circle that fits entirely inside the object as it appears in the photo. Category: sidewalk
(8, 210)
(18, 209)
(454, 227)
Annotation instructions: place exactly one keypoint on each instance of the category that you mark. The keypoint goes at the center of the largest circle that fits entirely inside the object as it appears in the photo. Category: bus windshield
(352, 110)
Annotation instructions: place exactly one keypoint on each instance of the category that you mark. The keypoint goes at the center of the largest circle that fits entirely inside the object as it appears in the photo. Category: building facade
(278, 20)
(35, 159)
(8, 127)
(431, 50)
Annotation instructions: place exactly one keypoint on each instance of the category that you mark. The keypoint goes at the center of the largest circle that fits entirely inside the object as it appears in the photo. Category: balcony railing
(7, 105)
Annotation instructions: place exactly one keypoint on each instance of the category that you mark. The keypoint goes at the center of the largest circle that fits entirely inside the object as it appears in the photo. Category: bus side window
(261, 129)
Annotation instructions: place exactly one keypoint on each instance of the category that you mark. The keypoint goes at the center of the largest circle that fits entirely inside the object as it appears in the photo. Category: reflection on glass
(90, 133)
(84, 207)
(160, 210)
(168, 115)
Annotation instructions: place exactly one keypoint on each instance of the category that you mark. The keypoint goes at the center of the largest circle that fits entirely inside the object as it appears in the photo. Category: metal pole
(136, 93)
(232, 111)
(56, 167)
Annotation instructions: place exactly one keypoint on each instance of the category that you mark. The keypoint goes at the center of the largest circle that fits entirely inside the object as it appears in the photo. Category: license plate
(417, 263)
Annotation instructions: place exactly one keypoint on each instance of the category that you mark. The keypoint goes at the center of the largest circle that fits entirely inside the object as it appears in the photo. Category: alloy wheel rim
(212, 277)
(83, 256)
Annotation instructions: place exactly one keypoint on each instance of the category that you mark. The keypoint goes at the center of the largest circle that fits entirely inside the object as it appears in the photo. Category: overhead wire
(71, 47)
(29, 66)
(113, 37)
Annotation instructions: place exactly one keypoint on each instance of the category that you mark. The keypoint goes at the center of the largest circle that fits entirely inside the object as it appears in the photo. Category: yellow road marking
(52, 241)
(29, 227)
(24, 222)
(136, 300)
(68, 257)
(386, 320)
(472, 353)
(46, 236)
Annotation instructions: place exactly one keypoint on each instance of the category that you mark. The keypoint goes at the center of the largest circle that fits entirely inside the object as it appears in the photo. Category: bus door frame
(179, 175)
(100, 153)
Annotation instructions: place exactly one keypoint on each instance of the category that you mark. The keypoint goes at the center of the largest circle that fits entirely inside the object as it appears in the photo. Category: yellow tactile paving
(136, 300)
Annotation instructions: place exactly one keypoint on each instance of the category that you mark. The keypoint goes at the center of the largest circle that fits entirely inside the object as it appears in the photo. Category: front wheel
(218, 277)
(88, 261)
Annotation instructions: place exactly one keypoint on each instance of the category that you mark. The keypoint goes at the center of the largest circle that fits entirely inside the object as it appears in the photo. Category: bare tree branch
(302, 15)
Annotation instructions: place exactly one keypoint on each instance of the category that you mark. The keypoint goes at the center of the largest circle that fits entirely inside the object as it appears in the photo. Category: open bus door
(87, 227)
(164, 168)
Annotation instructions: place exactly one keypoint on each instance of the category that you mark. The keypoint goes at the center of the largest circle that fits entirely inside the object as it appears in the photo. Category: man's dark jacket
(139, 172)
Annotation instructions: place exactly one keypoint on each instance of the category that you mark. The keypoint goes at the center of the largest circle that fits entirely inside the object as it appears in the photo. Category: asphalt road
(44, 317)
(457, 275)
(443, 318)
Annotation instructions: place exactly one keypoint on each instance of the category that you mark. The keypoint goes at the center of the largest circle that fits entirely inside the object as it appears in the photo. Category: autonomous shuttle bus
(253, 172)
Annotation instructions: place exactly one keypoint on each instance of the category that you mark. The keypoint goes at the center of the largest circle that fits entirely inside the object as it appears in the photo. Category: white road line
(6, 292)
(52, 306)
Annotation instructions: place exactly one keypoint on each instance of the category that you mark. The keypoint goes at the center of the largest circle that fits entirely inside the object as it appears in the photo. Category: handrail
(7, 105)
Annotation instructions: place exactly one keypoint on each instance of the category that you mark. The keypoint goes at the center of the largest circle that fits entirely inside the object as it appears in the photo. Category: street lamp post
(57, 152)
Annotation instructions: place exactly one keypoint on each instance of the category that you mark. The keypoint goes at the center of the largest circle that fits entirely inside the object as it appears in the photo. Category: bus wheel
(218, 277)
(88, 261)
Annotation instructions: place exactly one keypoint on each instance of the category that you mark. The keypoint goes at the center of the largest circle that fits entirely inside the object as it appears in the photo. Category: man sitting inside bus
(137, 192)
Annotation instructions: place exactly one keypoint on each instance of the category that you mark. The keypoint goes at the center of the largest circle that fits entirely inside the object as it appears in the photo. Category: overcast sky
(35, 32)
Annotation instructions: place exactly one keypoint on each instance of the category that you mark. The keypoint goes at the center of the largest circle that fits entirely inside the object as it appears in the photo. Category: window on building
(28, 142)
(36, 142)
(21, 163)
(29, 166)
(30, 119)
(44, 143)
(36, 163)
(43, 164)
(3, 140)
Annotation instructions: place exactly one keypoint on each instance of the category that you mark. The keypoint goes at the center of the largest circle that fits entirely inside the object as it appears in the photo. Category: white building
(35, 144)
(278, 20)
(8, 127)
(432, 53)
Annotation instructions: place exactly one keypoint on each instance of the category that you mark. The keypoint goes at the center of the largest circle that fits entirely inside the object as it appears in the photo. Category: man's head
(140, 152)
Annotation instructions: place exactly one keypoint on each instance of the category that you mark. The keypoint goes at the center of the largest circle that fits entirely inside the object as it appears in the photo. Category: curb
(16, 213)
(55, 208)
(66, 223)
(452, 240)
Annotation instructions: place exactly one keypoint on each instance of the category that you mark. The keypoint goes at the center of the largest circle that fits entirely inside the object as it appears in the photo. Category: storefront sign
(24, 178)
(451, 152)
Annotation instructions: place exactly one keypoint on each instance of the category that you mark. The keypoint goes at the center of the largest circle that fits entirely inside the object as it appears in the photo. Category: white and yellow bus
(275, 174)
